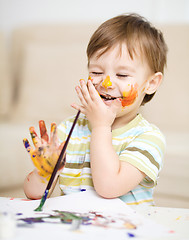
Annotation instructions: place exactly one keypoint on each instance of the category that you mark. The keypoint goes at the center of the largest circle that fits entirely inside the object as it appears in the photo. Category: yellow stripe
(75, 174)
(139, 202)
(146, 169)
(75, 181)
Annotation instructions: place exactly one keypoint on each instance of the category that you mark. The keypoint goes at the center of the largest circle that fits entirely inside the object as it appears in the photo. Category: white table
(176, 219)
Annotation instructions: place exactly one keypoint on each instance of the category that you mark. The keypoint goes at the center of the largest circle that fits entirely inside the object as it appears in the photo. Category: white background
(16, 13)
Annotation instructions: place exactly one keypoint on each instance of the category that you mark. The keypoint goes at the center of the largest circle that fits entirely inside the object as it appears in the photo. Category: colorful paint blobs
(90, 218)
(26, 145)
(130, 96)
(107, 83)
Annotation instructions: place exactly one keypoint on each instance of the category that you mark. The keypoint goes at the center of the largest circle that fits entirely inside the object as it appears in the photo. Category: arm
(44, 157)
(111, 177)
(35, 185)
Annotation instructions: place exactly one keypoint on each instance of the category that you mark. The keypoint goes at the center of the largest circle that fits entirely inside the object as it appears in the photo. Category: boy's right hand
(46, 152)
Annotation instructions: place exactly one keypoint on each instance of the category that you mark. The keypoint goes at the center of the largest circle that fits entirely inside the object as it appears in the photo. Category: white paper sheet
(83, 202)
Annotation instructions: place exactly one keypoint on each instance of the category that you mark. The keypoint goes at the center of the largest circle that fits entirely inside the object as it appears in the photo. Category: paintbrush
(62, 153)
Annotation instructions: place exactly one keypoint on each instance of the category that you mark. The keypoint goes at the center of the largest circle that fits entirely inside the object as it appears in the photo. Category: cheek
(129, 95)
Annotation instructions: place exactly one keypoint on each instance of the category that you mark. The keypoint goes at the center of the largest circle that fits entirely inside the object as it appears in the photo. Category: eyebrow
(126, 67)
(119, 68)
(94, 66)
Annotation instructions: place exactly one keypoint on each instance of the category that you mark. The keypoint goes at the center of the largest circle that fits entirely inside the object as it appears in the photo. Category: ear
(153, 83)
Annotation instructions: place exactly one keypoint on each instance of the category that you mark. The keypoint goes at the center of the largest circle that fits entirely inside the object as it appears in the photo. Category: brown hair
(135, 31)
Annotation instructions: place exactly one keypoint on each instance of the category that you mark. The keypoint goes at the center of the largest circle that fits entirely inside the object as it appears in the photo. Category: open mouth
(107, 97)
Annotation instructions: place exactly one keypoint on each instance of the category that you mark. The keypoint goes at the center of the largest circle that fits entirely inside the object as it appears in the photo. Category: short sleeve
(146, 153)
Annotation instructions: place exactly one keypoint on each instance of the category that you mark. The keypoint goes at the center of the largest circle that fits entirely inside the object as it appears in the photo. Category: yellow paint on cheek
(107, 83)
(130, 96)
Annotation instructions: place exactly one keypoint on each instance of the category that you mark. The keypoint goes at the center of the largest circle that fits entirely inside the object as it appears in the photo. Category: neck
(122, 121)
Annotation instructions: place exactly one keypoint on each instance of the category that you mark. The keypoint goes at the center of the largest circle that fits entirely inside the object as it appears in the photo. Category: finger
(85, 92)
(43, 131)
(53, 135)
(36, 140)
(78, 107)
(27, 145)
(92, 91)
(80, 95)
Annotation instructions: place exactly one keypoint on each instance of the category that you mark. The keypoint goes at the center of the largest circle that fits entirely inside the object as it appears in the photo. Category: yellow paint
(107, 83)
(129, 225)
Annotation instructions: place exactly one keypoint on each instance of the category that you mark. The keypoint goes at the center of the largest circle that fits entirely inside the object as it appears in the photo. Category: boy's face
(115, 75)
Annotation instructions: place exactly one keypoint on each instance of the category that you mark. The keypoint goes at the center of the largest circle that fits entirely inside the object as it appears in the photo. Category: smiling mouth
(108, 97)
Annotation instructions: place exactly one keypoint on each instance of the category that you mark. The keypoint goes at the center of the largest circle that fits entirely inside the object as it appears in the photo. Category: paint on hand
(33, 136)
(44, 158)
(129, 96)
(43, 131)
(107, 83)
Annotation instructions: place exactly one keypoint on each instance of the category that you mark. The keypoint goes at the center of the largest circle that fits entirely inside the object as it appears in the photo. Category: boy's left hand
(97, 112)
(46, 150)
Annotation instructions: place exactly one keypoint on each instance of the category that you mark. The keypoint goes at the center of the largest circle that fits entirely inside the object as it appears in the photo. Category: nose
(107, 83)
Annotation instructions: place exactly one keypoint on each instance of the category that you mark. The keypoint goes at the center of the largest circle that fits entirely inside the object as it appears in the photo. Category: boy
(113, 149)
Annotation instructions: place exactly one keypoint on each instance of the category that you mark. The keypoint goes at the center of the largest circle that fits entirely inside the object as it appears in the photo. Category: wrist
(101, 128)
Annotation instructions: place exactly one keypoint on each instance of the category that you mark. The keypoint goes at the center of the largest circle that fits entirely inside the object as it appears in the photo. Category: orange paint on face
(129, 96)
(107, 83)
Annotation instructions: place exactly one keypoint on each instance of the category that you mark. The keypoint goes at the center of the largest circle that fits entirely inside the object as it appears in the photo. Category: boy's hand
(46, 152)
(97, 112)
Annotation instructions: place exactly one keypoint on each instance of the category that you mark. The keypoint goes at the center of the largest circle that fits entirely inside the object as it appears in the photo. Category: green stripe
(78, 165)
(80, 147)
(143, 169)
(146, 154)
(155, 141)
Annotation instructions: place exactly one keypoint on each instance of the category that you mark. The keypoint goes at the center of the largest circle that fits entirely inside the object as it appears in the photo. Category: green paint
(43, 199)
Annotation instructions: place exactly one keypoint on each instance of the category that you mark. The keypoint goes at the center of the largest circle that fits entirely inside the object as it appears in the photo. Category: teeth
(108, 97)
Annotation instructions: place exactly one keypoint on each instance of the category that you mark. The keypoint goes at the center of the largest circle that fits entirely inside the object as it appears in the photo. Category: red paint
(43, 131)
(28, 177)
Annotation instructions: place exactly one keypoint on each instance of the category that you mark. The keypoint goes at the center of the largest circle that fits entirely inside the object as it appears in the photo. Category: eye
(97, 73)
(122, 75)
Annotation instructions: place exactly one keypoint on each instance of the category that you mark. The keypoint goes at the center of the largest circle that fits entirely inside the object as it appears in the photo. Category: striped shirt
(139, 143)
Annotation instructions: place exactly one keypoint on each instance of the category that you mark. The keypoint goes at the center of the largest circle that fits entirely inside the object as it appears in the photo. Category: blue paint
(26, 144)
(130, 235)
(18, 214)
(82, 190)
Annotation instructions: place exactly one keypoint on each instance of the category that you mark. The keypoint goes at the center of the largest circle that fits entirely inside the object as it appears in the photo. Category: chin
(108, 102)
